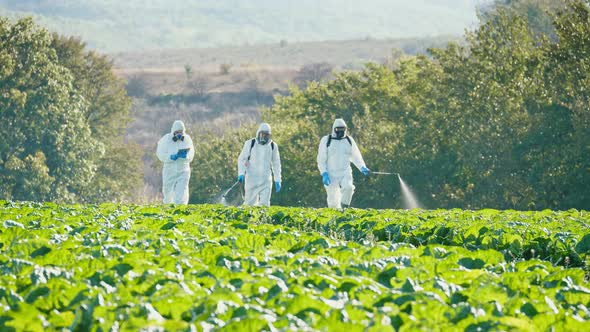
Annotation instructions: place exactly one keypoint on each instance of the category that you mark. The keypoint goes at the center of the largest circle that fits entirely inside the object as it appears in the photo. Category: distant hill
(349, 54)
(113, 25)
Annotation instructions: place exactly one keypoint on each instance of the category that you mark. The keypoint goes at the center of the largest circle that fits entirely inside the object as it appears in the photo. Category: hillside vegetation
(347, 54)
(499, 122)
(189, 24)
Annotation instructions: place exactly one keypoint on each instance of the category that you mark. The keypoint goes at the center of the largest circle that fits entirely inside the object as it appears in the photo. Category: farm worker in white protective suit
(258, 158)
(176, 151)
(335, 153)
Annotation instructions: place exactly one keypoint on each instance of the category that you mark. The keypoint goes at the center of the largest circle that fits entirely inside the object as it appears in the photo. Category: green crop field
(130, 268)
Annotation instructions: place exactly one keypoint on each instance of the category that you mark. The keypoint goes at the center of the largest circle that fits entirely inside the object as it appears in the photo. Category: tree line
(500, 121)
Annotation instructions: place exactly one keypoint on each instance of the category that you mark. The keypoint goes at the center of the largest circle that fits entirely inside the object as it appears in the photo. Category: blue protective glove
(174, 156)
(277, 186)
(241, 178)
(182, 154)
(365, 170)
(325, 179)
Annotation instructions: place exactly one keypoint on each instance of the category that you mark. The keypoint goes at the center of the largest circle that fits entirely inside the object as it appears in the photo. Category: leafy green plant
(90, 267)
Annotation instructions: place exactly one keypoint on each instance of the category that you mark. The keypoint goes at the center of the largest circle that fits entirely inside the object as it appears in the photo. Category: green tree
(188, 71)
(66, 114)
(565, 177)
(487, 88)
(119, 170)
(47, 151)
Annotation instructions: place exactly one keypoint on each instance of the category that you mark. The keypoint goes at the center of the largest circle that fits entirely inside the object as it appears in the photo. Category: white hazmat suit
(176, 173)
(335, 160)
(256, 162)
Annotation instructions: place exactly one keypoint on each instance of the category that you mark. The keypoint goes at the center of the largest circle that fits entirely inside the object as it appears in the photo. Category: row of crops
(131, 268)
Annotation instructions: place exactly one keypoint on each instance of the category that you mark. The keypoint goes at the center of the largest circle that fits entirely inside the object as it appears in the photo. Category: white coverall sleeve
(323, 155)
(355, 157)
(243, 158)
(191, 152)
(161, 151)
(276, 163)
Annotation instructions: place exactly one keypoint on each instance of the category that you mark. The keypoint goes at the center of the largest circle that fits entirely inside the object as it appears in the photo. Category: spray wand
(230, 189)
(384, 173)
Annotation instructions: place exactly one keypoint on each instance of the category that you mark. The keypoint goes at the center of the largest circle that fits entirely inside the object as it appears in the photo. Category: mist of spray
(409, 199)
(222, 199)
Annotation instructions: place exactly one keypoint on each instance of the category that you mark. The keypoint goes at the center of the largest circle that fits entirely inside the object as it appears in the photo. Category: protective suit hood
(263, 127)
(178, 125)
(337, 123)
